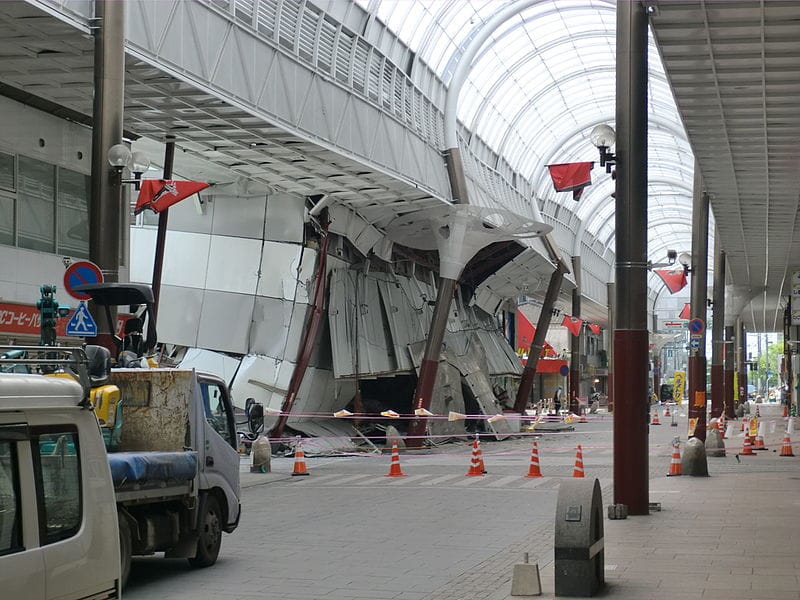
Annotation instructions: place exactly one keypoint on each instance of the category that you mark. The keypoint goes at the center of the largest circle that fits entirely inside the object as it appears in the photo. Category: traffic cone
(394, 466)
(758, 413)
(785, 410)
(722, 423)
(578, 470)
(666, 412)
(654, 420)
(583, 416)
(533, 469)
(759, 443)
(299, 460)
(786, 449)
(747, 449)
(480, 455)
(675, 461)
(475, 469)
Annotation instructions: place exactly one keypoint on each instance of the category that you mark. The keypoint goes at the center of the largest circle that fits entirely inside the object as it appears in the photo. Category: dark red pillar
(699, 296)
(631, 477)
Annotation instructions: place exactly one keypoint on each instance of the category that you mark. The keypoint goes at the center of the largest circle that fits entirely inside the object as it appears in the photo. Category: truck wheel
(210, 534)
(124, 549)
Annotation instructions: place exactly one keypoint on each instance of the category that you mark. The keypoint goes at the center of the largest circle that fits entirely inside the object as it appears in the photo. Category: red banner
(573, 324)
(525, 331)
(571, 177)
(23, 319)
(160, 194)
(685, 312)
(594, 328)
(674, 280)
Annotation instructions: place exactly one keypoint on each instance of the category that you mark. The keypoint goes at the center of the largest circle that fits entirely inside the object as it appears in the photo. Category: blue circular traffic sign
(697, 326)
(81, 273)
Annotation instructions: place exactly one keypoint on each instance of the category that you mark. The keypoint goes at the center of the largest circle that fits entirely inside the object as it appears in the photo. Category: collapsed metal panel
(408, 314)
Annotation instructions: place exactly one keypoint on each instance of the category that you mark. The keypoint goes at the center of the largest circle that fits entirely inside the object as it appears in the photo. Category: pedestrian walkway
(347, 532)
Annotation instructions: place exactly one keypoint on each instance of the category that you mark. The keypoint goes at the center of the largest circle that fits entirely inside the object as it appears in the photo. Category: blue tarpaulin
(144, 467)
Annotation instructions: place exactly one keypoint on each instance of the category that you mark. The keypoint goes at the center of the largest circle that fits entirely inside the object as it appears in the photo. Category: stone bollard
(694, 460)
(578, 541)
(261, 455)
(715, 446)
(393, 435)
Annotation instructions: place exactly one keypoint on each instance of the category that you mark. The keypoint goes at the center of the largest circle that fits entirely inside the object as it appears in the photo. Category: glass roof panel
(536, 89)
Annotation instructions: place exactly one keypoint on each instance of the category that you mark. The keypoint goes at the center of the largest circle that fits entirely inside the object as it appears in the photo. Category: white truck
(146, 462)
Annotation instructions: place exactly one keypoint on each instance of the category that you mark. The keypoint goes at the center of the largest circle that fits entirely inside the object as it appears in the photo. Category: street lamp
(120, 156)
(603, 136)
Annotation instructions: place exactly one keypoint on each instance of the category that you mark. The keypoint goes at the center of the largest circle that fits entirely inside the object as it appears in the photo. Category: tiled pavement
(347, 532)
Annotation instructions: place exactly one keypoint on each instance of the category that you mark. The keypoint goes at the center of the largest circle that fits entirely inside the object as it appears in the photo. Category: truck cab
(58, 517)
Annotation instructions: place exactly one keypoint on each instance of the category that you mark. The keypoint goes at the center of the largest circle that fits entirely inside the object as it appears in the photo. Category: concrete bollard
(694, 460)
(715, 446)
(578, 541)
(261, 455)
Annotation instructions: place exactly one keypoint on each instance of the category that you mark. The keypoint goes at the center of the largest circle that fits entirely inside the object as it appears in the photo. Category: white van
(58, 515)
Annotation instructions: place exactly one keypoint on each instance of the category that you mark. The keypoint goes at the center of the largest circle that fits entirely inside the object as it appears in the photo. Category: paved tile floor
(347, 532)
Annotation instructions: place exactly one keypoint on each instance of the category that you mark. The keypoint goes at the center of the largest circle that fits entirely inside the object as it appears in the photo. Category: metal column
(542, 325)
(163, 218)
(699, 296)
(718, 346)
(631, 476)
(730, 367)
(575, 343)
(741, 366)
(106, 205)
(611, 294)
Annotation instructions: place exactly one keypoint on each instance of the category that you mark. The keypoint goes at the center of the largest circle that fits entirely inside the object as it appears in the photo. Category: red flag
(571, 177)
(685, 312)
(159, 194)
(595, 328)
(674, 280)
(573, 324)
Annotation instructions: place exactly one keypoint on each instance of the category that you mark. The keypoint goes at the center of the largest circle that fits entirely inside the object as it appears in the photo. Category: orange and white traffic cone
(785, 410)
(583, 416)
(533, 469)
(759, 443)
(475, 469)
(394, 466)
(299, 460)
(480, 455)
(786, 449)
(577, 471)
(666, 412)
(758, 413)
(675, 462)
(654, 420)
(747, 449)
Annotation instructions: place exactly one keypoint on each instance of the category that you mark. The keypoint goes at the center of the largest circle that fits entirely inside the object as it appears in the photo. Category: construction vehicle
(160, 443)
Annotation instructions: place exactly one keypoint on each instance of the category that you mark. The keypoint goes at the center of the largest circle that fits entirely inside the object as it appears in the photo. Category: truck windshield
(218, 411)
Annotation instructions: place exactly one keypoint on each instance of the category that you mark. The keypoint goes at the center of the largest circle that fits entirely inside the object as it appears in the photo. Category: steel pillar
(611, 294)
(542, 325)
(163, 218)
(106, 206)
(730, 366)
(742, 365)
(697, 356)
(631, 476)
(575, 343)
(718, 347)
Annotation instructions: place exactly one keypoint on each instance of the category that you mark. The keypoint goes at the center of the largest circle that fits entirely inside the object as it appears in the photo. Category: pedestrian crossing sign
(81, 324)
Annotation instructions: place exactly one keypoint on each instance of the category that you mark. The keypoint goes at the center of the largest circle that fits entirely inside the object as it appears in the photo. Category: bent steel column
(631, 476)
(542, 325)
(718, 346)
(697, 356)
(163, 219)
(106, 207)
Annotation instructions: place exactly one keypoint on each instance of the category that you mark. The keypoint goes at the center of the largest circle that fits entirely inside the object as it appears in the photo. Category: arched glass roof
(538, 87)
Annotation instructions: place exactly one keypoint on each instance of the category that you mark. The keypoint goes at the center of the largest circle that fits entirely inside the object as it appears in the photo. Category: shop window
(7, 175)
(36, 205)
(73, 213)
(6, 219)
